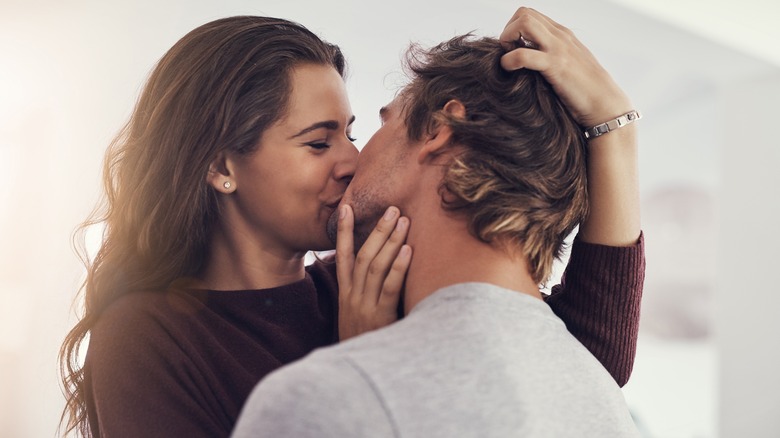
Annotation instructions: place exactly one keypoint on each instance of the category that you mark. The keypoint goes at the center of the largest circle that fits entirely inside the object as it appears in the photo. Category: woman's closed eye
(319, 145)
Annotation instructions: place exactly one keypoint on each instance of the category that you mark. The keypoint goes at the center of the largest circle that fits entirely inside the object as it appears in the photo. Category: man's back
(471, 360)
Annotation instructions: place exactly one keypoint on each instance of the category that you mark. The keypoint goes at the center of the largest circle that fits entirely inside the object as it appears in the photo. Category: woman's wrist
(610, 103)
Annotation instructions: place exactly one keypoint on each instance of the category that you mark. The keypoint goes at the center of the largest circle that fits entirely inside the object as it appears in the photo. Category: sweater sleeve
(139, 383)
(599, 300)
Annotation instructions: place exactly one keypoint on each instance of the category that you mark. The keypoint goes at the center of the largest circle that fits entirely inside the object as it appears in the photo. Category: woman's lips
(335, 203)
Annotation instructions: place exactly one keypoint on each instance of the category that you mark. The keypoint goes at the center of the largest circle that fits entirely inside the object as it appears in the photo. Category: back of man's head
(519, 172)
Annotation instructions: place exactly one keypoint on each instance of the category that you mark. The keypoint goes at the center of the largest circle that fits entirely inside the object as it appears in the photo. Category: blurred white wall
(70, 72)
(747, 324)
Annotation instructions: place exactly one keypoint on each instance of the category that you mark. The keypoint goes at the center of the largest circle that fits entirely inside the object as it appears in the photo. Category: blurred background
(706, 75)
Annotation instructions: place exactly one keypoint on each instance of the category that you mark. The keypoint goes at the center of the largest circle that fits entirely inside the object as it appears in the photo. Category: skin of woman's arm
(613, 186)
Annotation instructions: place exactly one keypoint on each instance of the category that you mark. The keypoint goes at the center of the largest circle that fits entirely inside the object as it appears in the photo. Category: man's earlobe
(436, 144)
(220, 175)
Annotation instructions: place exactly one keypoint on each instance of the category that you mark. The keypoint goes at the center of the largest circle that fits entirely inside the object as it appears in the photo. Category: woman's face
(286, 190)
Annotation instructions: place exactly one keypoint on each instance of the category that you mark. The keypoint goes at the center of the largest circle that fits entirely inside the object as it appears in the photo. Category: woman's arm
(599, 300)
(600, 294)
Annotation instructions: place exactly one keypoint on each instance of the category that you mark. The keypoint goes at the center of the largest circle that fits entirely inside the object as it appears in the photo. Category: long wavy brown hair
(217, 89)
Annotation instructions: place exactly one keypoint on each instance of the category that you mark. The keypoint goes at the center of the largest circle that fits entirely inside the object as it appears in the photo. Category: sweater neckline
(193, 286)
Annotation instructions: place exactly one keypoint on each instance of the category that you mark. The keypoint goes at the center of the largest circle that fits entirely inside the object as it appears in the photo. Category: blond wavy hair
(520, 174)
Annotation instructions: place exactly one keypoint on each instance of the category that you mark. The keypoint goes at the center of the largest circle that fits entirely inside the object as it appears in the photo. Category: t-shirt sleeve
(139, 383)
(315, 397)
(599, 300)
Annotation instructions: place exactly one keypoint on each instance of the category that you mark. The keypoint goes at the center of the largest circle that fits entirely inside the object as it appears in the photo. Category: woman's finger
(530, 25)
(525, 58)
(383, 262)
(548, 21)
(345, 253)
(373, 245)
(391, 290)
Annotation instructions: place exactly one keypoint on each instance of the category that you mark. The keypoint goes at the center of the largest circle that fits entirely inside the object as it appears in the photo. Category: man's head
(515, 161)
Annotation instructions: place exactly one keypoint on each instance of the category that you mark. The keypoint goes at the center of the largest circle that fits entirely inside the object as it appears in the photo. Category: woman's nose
(345, 168)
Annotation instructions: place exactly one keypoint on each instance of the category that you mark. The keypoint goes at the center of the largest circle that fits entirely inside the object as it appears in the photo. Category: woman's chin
(322, 243)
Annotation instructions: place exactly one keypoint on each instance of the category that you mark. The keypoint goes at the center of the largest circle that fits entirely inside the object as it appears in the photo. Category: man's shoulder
(325, 390)
(327, 372)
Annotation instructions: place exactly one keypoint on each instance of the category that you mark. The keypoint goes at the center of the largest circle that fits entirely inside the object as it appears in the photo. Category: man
(490, 166)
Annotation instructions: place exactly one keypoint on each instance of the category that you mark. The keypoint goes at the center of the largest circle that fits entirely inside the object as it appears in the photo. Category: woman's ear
(441, 135)
(220, 174)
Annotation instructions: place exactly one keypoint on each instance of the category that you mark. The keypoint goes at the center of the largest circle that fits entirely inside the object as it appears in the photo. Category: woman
(237, 153)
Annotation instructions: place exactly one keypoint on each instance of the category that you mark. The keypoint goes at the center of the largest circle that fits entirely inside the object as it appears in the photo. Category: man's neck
(445, 253)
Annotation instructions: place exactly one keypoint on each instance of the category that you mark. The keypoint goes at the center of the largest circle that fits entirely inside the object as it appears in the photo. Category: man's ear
(441, 135)
(221, 175)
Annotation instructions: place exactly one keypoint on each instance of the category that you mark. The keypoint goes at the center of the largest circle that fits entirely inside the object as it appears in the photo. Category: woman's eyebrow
(327, 124)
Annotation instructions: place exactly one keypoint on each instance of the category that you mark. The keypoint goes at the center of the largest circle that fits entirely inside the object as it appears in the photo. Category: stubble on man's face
(376, 185)
(367, 210)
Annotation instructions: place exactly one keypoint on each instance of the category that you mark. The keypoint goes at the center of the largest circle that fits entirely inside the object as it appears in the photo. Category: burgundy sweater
(182, 363)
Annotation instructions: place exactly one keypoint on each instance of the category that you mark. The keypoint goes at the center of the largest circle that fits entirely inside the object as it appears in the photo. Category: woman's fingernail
(342, 212)
(406, 250)
(390, 214)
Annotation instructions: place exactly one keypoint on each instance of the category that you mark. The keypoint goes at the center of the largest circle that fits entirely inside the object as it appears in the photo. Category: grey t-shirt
(471, 360)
